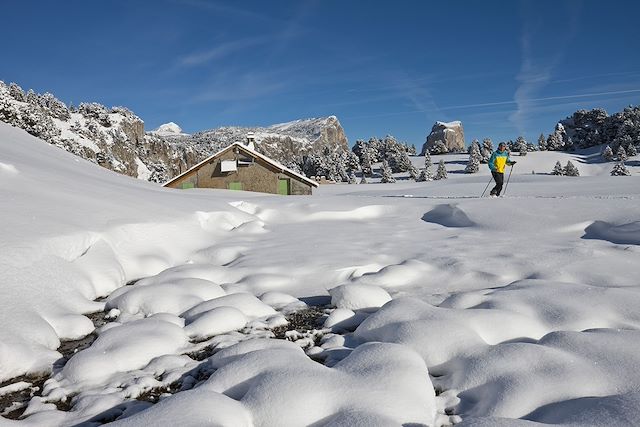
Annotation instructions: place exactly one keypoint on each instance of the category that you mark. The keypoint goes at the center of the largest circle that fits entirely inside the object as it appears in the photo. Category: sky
(503, 68)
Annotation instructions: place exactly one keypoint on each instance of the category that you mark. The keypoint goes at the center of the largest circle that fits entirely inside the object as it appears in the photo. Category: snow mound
(193, 408)
(217, 321)
(359, 297)
(449, 216)
(384, 381)
(175, 296)
(123, 348)
(624, 234)
(343, 319)
(247, 304)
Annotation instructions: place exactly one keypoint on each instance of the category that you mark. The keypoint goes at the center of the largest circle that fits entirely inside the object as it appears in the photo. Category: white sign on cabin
(228, 166)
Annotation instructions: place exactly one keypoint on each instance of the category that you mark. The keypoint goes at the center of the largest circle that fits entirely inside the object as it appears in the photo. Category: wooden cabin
(239, 167)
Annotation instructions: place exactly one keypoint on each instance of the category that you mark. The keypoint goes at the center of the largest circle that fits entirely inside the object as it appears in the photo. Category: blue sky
(504, 68)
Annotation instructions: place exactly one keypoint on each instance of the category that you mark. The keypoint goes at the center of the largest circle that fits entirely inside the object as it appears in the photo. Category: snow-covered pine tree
(632, 151)
(621, 154)
(521, 146)
(411, 150)
(387, 177)
(352, 178)
(542, 142)
(427, 159)
(439, 148)
(570, 169)
(619, 169)
(363, 180)
(473, 165)
(16, 92)
(607, 154)
(557, 169)
(441, 173)
(413, 173)
(487, 150)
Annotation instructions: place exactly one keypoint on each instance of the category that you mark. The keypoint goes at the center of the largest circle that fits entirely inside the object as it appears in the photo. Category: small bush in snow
(571, 170)
(607, 154)
(632, 151)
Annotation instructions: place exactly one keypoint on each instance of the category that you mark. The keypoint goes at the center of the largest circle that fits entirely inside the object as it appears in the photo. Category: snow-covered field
(434, 306)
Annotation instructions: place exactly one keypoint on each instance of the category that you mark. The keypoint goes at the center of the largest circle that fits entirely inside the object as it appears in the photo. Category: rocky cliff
(444, 138)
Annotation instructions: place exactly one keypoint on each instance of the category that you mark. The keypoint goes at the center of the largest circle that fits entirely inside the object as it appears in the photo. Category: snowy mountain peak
(169, 129)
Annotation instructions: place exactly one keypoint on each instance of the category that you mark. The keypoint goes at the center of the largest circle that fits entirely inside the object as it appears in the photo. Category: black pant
(499, 179)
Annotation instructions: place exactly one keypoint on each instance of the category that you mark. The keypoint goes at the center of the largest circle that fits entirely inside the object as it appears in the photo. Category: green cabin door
(283, 187)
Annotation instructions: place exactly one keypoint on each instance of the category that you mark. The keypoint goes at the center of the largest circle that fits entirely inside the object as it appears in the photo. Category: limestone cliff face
(451, 135)
(288, 143)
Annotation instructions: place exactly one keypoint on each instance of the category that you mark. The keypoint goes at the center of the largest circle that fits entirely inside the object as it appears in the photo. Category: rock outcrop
(444, 138)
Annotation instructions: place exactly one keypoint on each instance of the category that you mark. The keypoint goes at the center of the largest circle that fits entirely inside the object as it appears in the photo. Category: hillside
(115, 138)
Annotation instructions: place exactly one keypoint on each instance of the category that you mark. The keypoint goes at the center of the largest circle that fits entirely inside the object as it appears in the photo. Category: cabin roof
(251, 152)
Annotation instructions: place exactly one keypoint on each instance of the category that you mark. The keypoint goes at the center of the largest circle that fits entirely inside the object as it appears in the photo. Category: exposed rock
(450, 134)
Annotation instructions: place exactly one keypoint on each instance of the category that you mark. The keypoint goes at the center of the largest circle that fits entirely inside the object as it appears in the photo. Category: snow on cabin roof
(252, 153)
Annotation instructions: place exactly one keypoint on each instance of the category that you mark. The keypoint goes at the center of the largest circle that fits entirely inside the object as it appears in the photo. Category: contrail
(548, 98)
(490, 104)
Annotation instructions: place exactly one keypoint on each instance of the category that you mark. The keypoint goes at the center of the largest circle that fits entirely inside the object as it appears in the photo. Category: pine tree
(607, 154)
(363, 180)
(427, 159)
(413, 173)
(441, 173)
(521, 145)
(439, 147)
(621, 154)
(619, 169)
(557, 169)
(570, 169)
(473, 165)
(487, 150)
(632, 151)
(387, 177)
(542, 142)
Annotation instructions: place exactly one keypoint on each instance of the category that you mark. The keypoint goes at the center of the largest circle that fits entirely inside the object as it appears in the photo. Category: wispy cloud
(536, 72)
(219, 51)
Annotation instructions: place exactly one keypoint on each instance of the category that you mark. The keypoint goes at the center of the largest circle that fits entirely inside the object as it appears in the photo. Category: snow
(520, 310)
(169, 129)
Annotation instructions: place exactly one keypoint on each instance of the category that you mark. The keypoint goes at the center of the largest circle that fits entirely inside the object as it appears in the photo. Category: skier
(499, 159)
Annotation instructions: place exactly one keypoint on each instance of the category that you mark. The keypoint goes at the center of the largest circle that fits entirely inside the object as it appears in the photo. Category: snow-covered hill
(115, 137)
(433, 306)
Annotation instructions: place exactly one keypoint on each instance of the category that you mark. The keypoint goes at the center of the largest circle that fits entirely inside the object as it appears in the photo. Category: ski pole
(485, 188)
(508, 178)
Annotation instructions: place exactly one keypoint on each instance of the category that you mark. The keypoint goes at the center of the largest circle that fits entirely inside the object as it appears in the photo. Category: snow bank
(624, 234)
(385, 382)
